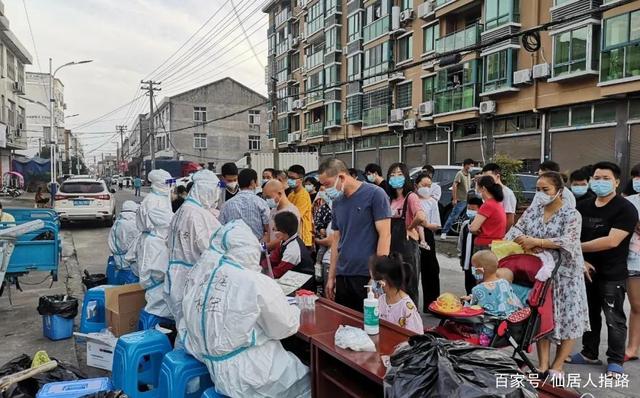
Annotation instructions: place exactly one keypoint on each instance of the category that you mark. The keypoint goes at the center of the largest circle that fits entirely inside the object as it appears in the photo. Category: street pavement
(85, 247)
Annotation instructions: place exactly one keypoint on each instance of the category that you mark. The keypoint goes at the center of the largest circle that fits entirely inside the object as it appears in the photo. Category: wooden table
(337, 372)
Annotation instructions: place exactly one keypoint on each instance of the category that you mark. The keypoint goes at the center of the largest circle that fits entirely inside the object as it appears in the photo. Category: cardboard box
(123, 306)
(100, 348)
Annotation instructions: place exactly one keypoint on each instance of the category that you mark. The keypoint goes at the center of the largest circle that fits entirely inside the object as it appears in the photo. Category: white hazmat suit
(124, 234)
(235, 318)
(191, 229)
(153, 261)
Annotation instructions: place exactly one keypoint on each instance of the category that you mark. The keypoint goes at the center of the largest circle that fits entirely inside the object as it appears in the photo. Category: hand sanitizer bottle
(371, 313)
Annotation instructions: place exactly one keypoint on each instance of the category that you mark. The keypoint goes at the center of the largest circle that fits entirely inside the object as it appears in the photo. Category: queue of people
(346, 233)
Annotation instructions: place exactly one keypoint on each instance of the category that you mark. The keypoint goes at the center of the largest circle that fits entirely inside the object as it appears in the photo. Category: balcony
(15, 139)
(376, 29)
(315, 129)
(456, 99)
(314, 60)
(459, 40)
(375, 116)
(314, 95)
(282, 17)
(314, 26)
(284, 45)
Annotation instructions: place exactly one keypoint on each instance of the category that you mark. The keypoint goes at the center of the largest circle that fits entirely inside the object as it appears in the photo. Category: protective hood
(238, 243)
(158, 179)
(205, 190)
(129, 209)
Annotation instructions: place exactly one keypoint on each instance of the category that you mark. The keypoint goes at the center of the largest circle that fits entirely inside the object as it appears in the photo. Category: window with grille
(403, 95)
(375, 107)
(254, 117)
(254, 142)
(200, 114)
(199, 141)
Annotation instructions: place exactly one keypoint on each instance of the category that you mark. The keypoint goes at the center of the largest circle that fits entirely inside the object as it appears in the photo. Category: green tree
(510, 168)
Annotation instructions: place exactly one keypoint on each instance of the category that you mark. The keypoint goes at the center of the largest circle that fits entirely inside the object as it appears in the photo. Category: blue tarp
(33, 170)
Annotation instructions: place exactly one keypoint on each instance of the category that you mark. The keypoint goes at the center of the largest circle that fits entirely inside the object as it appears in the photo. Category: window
(332, 7)
(254, 143)
(456, 88)
(333, 114)
(620, 56)
(561, 2)
(430, 34)
(12, 114)
(354, 108)
(583, 115)
(375, 107)
(333, 40)
(200, 114)
(570, 51)
(604, 112)
(11, 66)
(405, 48)
(377, 20)
(498, 70)
(376, 62)
(199, 141)
(354, 26)
(634, 108)
(354, 67)
(294, 61)
(516, 124)
(559, 118)
(332, 75)
(406, 5)
(315, 18)
(254, 117)
(428, 88)
(500, 12)
(313, 87)
(403, 95)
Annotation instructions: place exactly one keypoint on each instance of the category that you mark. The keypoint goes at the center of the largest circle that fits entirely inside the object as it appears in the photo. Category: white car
(84, 200)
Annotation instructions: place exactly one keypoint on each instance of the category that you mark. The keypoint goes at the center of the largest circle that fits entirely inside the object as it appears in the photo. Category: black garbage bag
(107, 394)
(57, 305)
(434, 367)
(93, 280)
(30, 387)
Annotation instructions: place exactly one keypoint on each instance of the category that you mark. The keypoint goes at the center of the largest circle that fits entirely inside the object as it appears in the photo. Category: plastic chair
(211, 393)
(112, 271)
(148, 321)
(93, 317)
(136, 363)
(183, 376)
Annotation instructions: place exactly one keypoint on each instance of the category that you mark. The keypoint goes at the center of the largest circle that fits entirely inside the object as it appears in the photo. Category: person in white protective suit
(158, 198)
(124, 234)
(153, 262)
(191, 229)
(235, 318)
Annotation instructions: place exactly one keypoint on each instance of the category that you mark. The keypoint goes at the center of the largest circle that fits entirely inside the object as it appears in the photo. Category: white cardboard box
(100, 348)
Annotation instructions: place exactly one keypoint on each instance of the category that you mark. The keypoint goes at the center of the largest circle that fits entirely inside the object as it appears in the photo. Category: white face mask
(424, 192)
(543, 199)
(232, 185)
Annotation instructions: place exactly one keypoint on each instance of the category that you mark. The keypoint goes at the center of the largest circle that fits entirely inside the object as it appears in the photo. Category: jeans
(453, 216)
(607, 297)
(137, 191)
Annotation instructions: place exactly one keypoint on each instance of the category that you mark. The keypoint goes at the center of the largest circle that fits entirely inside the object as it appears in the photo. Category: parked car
(84, 200)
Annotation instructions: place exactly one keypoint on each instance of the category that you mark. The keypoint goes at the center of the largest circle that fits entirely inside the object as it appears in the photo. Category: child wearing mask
(465, 243)
(290, 252)
(493, 294)
(430, 206)
(392, 275)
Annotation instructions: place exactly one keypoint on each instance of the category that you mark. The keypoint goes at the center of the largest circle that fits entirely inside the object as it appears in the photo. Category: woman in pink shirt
(407, 215)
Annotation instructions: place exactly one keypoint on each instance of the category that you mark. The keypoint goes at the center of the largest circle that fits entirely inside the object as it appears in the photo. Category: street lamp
(54, 134)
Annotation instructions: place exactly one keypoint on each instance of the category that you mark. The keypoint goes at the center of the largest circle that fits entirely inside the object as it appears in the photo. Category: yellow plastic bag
(504, 248)
(39, 359)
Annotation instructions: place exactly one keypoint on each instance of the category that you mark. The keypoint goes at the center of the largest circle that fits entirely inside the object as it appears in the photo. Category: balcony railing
(469, 36)
(283, 16)
(315, 26)
(456, 99)
(375, 116)
(314, 60)
(376, 73)
(376, 29)
(315, 129)
(314, 96)
(284, 45)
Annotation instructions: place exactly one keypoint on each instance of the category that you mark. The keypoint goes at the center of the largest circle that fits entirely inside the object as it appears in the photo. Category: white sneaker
(443, 236)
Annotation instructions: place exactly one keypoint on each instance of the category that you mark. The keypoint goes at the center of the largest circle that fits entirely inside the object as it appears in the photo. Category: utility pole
(121, 130)
(149, 86)
(273, 100)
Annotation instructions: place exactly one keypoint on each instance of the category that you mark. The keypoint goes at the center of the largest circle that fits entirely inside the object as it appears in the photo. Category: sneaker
(443, 236)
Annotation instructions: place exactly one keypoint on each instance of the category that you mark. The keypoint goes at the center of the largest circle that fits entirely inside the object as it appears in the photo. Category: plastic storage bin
(55, 327)
(75, 388)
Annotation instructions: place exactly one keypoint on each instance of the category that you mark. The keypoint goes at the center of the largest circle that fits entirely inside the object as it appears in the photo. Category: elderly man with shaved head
(274, 193)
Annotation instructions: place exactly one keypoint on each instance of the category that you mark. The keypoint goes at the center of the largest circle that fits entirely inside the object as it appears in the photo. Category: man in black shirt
(579, 184)
(230, 179)
(607, 225)
(373, 172)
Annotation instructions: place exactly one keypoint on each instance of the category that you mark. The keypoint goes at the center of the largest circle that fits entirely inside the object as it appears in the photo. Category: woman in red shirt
(491, 221)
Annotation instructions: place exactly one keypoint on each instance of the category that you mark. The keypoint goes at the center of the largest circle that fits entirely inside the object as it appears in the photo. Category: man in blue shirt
(362, 228)
(247, 206)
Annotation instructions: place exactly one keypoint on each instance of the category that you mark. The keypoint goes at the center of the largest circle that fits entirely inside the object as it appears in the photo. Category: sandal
(614, 371)
(579, 359)
(628, 358)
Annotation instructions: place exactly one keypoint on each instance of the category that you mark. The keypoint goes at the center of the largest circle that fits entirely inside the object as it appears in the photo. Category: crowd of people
(346, 233)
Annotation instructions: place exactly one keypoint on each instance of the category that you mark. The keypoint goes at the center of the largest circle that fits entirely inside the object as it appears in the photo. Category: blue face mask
(636, 185)
(471, 214)
(333, 193)
(323, 195)
(477, 275)
(271, 203)
(579, 190)
(396, 182)
(601, 188)
(291, 183)
(371, 178)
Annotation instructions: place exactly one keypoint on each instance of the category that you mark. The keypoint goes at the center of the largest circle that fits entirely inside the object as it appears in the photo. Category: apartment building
(137, 145)
(439, 81)
(13, 126)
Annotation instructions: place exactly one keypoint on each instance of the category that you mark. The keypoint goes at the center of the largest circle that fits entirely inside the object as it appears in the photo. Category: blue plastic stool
(93, 317)
(112, 271)
(136, 363)
(211, 393)
(148, 321)
(126, 277)
(183, 376)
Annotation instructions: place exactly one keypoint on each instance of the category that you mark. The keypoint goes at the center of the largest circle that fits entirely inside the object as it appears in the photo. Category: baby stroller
(523, 327)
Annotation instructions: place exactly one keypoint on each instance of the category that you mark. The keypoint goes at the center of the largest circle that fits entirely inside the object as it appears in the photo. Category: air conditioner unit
(302, 103)
(541, 71)
(406, 15)
(397, 115)
(17, 87)
(292, 138)
(426, 108)
(295, 42)
(296, 105)
(345, 50)
(409, 124)
(522, 76)
(426, 9)
(397, 76)
(487, 107)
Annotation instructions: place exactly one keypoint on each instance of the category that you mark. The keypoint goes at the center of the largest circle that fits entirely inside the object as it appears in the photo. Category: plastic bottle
(371, 313)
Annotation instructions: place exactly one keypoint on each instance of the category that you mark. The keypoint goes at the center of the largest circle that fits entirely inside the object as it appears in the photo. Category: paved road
(85, 247)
